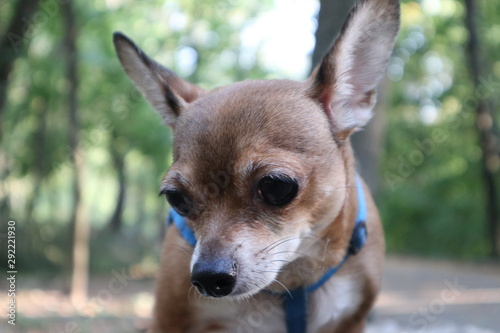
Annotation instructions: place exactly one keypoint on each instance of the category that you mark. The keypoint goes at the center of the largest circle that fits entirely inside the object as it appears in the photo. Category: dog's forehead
(250, 115)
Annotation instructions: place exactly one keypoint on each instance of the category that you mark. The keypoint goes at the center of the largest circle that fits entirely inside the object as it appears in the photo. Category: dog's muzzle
(214, 278)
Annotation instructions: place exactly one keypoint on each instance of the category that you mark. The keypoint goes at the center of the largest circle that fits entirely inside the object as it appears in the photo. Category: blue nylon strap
(358, 239)
(329, 273)
(361, 202)
(295, 301)
(295, 304)
(186, 232)
(359, 234)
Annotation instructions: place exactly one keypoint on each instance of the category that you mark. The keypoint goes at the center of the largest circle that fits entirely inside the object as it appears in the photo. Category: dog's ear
(168, 93)
(345, 81)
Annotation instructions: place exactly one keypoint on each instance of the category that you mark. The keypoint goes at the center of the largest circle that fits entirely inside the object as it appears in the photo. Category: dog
(273, 230)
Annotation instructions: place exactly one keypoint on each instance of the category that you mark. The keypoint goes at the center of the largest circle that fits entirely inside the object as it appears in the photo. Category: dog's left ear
(167, 92)
(346, 80)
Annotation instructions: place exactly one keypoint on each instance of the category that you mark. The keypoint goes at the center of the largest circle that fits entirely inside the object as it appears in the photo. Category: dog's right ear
(167, 92)
(346, 80)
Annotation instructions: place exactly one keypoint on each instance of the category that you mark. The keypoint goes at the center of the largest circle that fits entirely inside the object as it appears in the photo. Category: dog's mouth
(238, 272)
(224, 278)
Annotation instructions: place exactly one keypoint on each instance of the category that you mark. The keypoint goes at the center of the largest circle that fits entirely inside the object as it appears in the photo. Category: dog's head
(260, 166)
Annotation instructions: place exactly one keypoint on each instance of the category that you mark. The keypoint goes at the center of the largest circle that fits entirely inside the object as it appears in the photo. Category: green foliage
(432, 202)
(113, 115)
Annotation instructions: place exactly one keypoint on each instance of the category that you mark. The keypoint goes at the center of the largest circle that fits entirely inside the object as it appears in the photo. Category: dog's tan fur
(229, 138)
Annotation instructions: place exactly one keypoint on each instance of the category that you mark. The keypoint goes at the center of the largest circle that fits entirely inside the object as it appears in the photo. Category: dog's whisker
(325, 248)
(277, 243)
(237, 247)
(310, 234)
(269, 271)
(282, 260)
(284, 287)
(295, 264)
(291, 251)
(191, 295)
(260, 284)
(177, 246)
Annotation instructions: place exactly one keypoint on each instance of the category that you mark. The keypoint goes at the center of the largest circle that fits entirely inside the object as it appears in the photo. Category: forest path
(421, 295)
(418, 296)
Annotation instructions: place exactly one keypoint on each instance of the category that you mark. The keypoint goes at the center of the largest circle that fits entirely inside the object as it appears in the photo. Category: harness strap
(186, 232)
(295, 306)
(295, 300)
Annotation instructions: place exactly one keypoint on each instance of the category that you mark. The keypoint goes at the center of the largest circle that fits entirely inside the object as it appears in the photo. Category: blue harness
(295, 301)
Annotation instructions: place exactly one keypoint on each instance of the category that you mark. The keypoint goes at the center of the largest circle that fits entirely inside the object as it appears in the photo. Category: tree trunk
(331, 16)
(79, 228)
(39, 164)
(367, 143)
(115, 223)
(4, 199)
(485, 128)
(12, 43)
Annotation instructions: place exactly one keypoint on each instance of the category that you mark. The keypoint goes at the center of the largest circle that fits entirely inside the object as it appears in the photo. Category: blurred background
(82, 153)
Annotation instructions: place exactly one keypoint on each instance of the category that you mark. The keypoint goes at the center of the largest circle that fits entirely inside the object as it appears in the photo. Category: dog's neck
(330, 242)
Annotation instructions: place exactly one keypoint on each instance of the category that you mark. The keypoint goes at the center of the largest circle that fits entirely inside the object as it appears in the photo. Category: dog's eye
(277, 190)
(179, 202)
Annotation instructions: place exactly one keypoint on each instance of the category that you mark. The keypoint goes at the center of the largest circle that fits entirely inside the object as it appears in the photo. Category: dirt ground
(418, 296)
(438, 296)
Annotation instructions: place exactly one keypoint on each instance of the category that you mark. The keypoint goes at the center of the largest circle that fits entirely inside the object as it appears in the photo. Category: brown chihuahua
(272, 229)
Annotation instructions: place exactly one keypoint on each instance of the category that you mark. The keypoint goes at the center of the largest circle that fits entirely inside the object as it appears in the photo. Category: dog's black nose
(214, 278)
